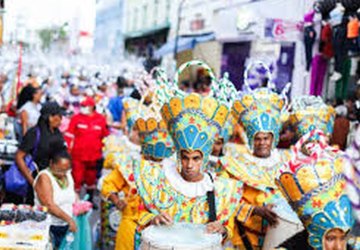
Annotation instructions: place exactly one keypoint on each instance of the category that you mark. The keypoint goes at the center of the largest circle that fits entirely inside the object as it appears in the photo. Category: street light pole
(178, 28)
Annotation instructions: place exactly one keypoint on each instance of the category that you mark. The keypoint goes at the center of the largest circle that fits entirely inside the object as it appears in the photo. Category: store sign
(283, 30)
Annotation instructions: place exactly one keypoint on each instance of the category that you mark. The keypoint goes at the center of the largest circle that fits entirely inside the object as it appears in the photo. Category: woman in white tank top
(54, 188)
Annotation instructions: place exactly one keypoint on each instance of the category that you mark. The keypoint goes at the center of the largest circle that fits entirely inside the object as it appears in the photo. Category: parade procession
(180, 125)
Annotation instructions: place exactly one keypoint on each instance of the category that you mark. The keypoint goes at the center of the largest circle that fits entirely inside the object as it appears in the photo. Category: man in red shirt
(84, 137)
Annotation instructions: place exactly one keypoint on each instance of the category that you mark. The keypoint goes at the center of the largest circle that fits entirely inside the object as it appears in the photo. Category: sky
(42, 13)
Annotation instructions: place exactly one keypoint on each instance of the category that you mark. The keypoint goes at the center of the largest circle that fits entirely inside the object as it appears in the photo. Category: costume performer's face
(218, 147)
(191, 163)
(262, 144)
(335, 239)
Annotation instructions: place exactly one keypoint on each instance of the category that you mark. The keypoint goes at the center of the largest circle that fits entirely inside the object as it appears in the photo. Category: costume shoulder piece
(163, 190)
(255, 172)
(125, 164)
(115, 145)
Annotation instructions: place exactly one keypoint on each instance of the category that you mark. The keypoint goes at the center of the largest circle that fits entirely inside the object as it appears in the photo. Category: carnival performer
(313, 180)
(260, 112)
(181, 191)
(156, 145)
(114, 145)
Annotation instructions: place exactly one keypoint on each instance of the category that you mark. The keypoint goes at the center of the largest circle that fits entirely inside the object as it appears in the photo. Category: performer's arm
(114, 183)
(145, 219)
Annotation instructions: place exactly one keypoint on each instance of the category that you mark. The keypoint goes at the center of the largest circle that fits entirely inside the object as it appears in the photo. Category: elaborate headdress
(131, 108)
(229, 92)
(154, 137)
(193, 121)
(261, 110)
(309, 113)
(314, 187)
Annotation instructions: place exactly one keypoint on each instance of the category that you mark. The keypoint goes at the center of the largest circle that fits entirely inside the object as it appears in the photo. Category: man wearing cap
(84, 137)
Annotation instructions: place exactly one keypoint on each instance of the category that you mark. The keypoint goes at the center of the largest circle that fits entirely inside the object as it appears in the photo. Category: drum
(180, 236)
(289, 225)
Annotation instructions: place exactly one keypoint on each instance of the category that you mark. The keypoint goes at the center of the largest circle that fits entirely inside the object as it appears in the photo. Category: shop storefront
(250, 33)
(145, 43)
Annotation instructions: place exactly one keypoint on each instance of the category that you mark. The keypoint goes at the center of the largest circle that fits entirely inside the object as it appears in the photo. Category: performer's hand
(215, 227)
(121, 204)
(267, 213)
(162, 219)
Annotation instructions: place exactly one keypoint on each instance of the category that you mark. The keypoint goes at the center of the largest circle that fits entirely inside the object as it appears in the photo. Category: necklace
(62, 183)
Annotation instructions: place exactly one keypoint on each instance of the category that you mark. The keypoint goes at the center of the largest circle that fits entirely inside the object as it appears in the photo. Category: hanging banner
(283, 30)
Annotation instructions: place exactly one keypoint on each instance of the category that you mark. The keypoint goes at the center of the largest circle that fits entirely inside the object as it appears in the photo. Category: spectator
(115, 106)
(341, 127)
(72, 102)
(29, 113)
(84, 136)
(54, 189)
(287, 137)
(50, 138)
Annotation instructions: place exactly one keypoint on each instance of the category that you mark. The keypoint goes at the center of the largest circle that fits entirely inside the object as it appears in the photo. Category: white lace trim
(268, 162)
(189, 189)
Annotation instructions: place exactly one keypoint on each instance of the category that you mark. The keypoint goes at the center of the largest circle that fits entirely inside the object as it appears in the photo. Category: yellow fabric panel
(253, 222)
(113, 183)
(125, 235)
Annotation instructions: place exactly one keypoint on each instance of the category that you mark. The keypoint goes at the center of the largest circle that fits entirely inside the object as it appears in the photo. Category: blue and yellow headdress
(309, 113)
(314, 187)
(261, 110)
(193, 121)
(131, 108)
(154, 138)
(227, 92)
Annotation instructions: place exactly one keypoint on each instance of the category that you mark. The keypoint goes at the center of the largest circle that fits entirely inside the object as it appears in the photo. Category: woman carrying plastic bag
(81, 239)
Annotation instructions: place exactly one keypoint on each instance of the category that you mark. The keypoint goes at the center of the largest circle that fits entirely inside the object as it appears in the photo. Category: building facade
(147, 25)
(228, 35)
(109, 28)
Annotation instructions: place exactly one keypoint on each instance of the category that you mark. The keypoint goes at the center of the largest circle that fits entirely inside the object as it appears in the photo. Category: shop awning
(148, 32)
(183, 43)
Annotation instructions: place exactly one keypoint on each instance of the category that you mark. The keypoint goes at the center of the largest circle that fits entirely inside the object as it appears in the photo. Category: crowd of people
(259, 171)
